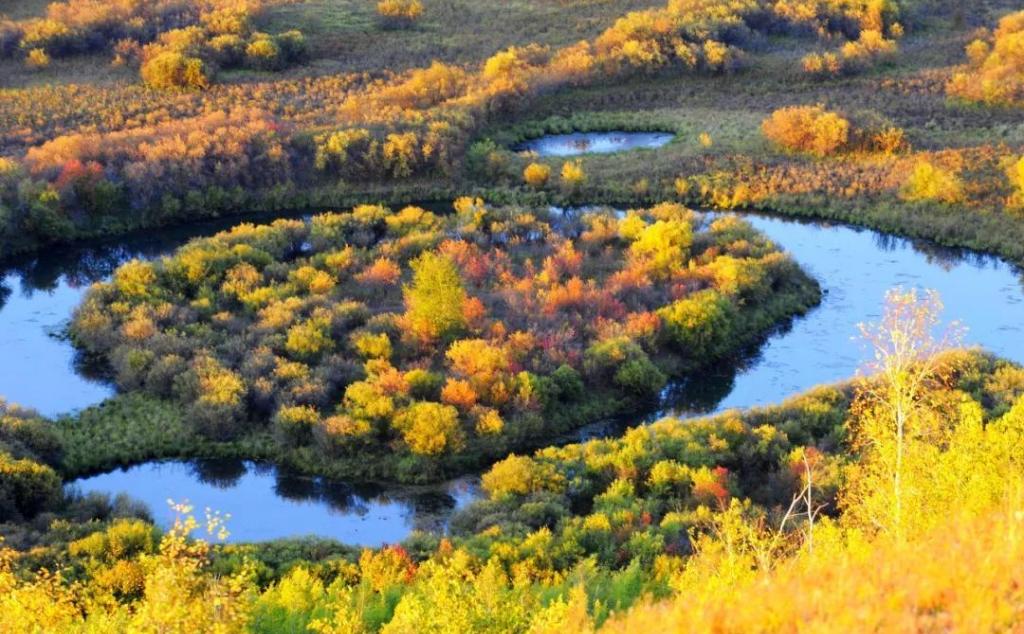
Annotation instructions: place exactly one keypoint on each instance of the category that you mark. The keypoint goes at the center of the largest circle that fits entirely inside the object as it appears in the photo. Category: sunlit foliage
(929, 181)
(399, 13)
(451, 335)
(809, 129)
(995, 69)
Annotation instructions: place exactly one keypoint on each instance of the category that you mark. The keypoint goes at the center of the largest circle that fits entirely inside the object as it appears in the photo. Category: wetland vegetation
(294, 341)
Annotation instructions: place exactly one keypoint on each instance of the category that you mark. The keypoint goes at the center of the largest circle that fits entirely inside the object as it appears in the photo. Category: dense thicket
(426, 337)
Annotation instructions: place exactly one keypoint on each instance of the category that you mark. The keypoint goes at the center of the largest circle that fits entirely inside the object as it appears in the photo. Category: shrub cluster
(28, 448)
(810, 129)
(348, 128)
(410, 334)
(691, 512)
(995, 68)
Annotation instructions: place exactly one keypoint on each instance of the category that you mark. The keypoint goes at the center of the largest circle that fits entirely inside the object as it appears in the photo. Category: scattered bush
(995, 72)
(931, 182)
(810, 129)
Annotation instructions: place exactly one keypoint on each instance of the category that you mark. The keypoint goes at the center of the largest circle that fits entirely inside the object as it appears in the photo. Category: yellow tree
(536, 175)
(429, 428)
(434, 300)
(894, 411)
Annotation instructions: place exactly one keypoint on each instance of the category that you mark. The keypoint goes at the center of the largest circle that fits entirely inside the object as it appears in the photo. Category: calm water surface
(38, 367)
(855, 268)
(266, 503)
(593, 143)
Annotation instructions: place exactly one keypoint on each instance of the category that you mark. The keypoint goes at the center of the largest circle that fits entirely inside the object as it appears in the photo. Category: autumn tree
(573, 175)
(932, 182)
(174, 70)
(995, 70)
(536, 174)
(662, 247)
(894, 409)
(434, 300)
(1015, 174)
(429, 428)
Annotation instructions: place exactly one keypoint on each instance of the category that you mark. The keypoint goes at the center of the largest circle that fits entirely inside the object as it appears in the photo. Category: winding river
(854, 266)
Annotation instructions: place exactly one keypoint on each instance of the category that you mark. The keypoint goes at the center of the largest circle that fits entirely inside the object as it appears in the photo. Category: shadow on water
(39, 292)
(268, 502)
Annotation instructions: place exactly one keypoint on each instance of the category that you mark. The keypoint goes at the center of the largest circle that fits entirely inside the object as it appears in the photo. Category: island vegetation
(433, 342)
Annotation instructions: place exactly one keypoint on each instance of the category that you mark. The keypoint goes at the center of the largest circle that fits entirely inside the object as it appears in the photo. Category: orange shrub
(536, 174)
(870, 48)
(995, 73)
(810, 129)
(383, 271)
(821, 64)
(458, 393)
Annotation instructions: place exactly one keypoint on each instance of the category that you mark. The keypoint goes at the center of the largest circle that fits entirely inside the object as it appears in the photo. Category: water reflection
(579, 143)
(38, 294)
(266, 502)
(855, 268)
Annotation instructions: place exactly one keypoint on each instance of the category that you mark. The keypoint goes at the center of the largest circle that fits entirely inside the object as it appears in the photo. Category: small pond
(267, 503)
(593, 143)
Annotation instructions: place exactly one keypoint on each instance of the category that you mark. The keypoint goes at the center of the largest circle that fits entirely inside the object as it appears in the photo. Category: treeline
(416, 125)
(175, 43)
(434, 341)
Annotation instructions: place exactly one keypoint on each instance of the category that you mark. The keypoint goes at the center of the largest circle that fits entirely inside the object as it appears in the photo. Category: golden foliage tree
(434, 300)
(895, 416)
